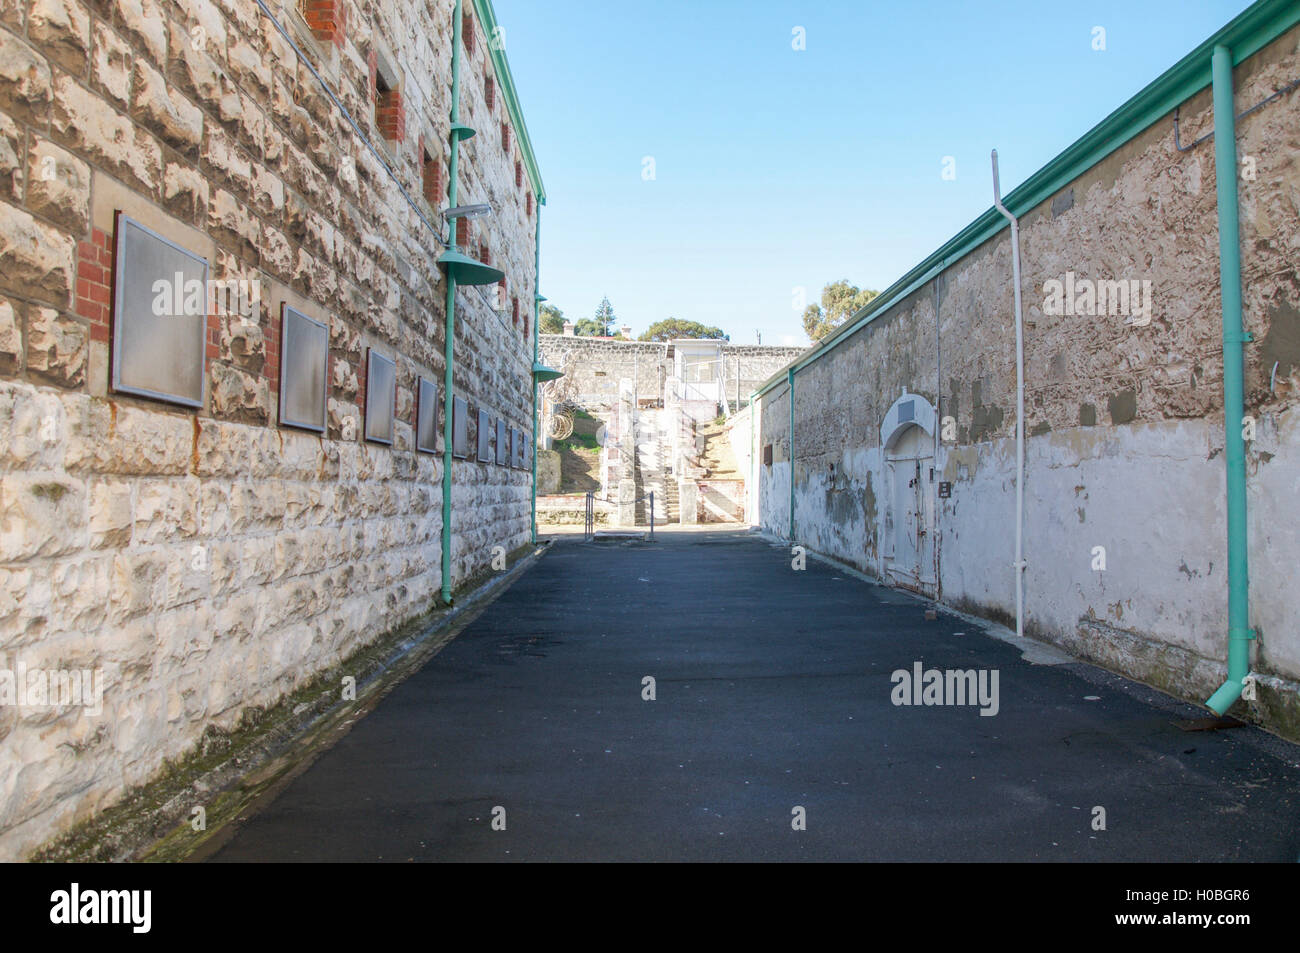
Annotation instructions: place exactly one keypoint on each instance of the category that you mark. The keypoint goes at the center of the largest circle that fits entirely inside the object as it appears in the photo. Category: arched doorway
(908, 537)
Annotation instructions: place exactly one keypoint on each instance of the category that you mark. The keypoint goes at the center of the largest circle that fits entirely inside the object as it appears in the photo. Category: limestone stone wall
(1124, 419)
(594, 366)
(211, 561)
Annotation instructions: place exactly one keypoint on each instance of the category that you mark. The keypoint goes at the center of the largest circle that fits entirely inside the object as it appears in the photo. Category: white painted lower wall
(1151, 494)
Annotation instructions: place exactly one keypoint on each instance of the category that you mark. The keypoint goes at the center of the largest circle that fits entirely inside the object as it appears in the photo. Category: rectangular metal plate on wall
(503, 443)
(381, 393)
(160, 305)
(459, 428)
(304, 360)
(484, 437)
(426, 417)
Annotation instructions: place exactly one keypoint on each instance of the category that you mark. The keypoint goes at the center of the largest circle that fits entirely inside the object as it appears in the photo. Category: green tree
(588, 327)
(840, 301)
(551, 320)
(605, 316)
(671, 328)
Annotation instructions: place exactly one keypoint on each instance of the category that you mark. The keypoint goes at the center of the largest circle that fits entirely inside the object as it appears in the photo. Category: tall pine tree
(605, 316)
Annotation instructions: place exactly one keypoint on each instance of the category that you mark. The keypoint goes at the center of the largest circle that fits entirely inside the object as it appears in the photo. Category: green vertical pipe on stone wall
(449, 330)
(1225, 172)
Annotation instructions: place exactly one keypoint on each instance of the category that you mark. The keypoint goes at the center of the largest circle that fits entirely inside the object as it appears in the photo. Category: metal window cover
(161, 356)
(381, 392)
(426, 416)
(304, 362)
(484, 437)
(459, 428)
(503, 444)
(519, 449)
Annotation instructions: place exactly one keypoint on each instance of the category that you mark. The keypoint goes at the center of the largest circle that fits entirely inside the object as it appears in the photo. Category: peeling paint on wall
(1147, 481)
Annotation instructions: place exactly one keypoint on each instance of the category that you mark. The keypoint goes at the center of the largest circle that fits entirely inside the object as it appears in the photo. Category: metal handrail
(589, 529)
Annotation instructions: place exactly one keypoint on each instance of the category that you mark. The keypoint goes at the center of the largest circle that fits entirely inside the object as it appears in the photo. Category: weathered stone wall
(1124, 421)
(719, 501)
(212, 561)
(594, 366)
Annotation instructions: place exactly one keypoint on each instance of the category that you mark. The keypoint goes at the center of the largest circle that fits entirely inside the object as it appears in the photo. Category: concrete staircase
(650, 472)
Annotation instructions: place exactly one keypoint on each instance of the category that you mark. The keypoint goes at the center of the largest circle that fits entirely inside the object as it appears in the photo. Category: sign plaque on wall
(160, 308)
(426, 417)
(381, 393)
(304, 357)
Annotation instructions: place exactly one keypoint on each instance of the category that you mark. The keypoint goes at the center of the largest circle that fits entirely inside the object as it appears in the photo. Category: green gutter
(506, 82)
(449, 329)
(487, 16)
(1225, 173)
(1250, 32)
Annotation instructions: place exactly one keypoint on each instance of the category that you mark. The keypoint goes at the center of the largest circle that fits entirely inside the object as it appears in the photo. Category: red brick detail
(505, 137)
(515, 308)
(519, 174)
(530, 204)
(361, 394)
(463, 233)
(94, 294)
(433, 188)
(327, 19)
(467, 31)
(212, 351)
(390, 115)
(271, 369)
(490, 92)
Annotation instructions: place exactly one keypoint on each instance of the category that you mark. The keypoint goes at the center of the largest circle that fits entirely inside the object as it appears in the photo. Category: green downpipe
(449, 330)
(790, 381)
(537, 314)
(1225, 173)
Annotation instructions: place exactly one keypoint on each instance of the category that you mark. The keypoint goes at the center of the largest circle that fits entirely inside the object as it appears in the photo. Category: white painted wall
(1151, 494)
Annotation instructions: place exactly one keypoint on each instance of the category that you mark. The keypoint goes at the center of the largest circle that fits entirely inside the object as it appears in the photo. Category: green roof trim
(488, 18)
(1252, 30)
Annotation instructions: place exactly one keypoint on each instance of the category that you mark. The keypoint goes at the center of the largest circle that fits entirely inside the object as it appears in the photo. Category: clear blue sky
(776, 168)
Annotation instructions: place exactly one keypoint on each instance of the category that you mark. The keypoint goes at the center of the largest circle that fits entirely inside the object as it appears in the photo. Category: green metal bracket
(460, 132)
(542, 373)
(468, 271)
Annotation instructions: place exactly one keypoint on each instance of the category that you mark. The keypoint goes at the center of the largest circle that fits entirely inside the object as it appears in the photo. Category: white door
(909, 522)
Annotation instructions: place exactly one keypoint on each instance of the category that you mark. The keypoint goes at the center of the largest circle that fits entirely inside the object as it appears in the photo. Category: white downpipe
(1019, 564)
